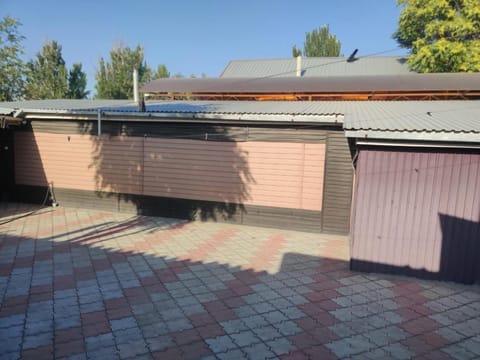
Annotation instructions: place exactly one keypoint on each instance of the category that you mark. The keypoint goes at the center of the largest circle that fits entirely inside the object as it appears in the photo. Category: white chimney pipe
(299, 66)
(135, 84)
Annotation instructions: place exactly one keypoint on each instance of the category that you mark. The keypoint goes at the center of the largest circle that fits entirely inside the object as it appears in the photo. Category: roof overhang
(382, 87)
(429, 136)
(210, 118)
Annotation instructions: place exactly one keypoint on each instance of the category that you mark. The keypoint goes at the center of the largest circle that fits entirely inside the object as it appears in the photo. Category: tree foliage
(77, 83)
(12, 68)
(47, 76)
(162, 72)
(442, 35)
(115, 77)
(319, 43)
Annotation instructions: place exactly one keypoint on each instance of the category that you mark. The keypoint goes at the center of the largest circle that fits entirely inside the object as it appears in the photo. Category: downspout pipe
(99, 122)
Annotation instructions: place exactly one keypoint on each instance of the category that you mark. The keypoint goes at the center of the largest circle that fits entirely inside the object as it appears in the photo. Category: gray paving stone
(80, 356)
(293, 313)
(179, 325)
(108, 352)
(254, 321)
(280, 303)
(274, 317)
(450, 334)
(342, 330)
(159, 343)
(266, 333)
(12, 320)
(245, 338)
(148, 319)
(288, 328)
(382, 337)
(262, 307)
(253, 299)
(233, 326)
(392, 317)
(221, 344)
(15, 331)
(37, 327)
(298, 299)
(126, 335)
(99, 341)
(155, 329)
(280, 346)
(344, 314)
(472, 345)
(258, 352)
(398, 351)
(92, 307)
(468, 328)
(37, 340)
(245, 311)
(232, 355)
(123, 323)
(132, 349)
(349, 346)
(64, 294)
(193, 309)
(10, 345)
(142, 309)
(172, 314)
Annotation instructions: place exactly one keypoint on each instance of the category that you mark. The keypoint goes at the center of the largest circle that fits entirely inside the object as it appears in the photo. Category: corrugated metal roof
(207, 111)
(158, 106)
(446, 120)
(64, 104)
(331, 84)
(317, 66)
(447, 116)
(450, 121)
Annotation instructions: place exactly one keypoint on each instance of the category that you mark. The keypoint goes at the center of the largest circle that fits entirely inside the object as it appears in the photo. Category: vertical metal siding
(284, 175)
(337, 198)
(417, 213)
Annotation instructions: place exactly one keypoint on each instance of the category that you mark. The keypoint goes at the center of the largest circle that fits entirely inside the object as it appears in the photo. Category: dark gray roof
(317, 66)
(332, 84)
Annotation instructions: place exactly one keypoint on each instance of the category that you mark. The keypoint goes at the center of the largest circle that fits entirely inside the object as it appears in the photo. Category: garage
(416, 206)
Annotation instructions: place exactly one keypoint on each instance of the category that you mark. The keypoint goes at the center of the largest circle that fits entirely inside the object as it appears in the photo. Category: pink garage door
(417, 213)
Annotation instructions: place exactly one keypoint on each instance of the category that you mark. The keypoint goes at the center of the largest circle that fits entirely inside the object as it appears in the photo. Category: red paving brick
(67, 335)
(420, 325)
(39, 353)
(125, 241)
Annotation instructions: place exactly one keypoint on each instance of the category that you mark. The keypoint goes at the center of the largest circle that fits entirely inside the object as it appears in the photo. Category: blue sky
(195, 36)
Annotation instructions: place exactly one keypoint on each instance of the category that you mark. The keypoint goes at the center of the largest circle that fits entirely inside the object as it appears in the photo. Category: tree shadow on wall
(458, 255)
(183, 170)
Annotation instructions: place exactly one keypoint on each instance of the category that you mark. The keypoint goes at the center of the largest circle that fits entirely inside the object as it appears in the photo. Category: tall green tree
(77, 83)
(12, 68)
(319, 43)
(442, 35)
(162, 72)
(115, 77)
(47, 75)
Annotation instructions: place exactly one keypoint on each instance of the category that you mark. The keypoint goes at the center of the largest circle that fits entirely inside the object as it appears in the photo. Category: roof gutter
(250, 118)
(433, 144)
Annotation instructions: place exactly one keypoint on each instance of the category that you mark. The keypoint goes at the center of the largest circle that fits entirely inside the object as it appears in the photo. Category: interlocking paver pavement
(87, 284)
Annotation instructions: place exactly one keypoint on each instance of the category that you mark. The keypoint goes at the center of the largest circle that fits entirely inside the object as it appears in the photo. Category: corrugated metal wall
(337, 200)
(273, 174)
(417, 213)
